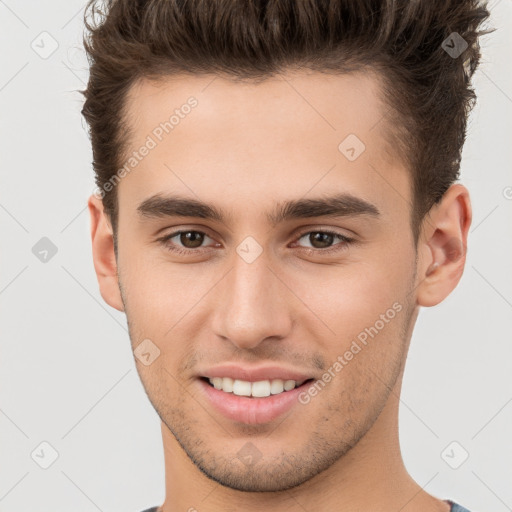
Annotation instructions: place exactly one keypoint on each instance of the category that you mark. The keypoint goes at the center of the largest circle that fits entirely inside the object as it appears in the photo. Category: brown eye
(191, 239)
(323, 240)
(184, 241)
(320, 240)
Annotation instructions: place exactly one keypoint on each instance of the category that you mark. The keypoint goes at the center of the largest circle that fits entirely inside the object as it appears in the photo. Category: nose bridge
(251, 308)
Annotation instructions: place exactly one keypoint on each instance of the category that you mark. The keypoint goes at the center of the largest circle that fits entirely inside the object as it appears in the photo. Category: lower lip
(252, 411)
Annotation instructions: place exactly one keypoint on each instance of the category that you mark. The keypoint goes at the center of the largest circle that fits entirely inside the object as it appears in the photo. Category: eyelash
(337, 247)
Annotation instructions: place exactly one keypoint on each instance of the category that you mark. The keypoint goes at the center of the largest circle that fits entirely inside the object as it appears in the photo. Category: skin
(245, 148)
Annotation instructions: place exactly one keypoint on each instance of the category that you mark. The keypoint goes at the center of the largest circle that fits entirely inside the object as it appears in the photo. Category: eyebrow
(339, 205)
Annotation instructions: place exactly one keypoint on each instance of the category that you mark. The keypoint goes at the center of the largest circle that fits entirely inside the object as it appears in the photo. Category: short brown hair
(407, 42)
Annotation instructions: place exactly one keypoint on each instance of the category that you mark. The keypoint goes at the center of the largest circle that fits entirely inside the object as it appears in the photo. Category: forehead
(337, 103)
(291, 132)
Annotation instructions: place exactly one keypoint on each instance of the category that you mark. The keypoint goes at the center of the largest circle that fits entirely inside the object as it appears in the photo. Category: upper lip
(255, 374)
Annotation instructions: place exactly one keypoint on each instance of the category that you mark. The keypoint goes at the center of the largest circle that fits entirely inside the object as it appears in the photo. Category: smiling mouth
(244, 389)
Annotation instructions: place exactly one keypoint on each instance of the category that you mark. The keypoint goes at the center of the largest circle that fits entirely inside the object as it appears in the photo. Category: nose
(253, 304)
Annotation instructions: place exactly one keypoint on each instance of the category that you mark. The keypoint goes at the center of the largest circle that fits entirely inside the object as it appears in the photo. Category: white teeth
(276, 387)
(227, 384)
(258, 389)
(241, 388)
(289, 384)
(261, 388)
(217, 382)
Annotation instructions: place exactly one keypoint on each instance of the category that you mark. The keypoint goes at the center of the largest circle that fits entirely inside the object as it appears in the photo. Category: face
(325, 292)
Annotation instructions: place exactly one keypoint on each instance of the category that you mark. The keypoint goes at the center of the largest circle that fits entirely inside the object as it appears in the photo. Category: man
(276, 200)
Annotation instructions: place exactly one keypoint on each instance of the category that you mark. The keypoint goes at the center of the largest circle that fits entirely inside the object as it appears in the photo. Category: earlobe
(443, 246)
(103, 254)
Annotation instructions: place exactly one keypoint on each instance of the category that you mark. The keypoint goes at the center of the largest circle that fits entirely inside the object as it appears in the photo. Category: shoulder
(455, 507)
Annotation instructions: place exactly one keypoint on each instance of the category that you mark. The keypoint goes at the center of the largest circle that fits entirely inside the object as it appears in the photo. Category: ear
(103, 254)
(442, 246)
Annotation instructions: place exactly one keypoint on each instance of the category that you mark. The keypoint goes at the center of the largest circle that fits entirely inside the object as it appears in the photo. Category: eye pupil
(194, 237)
(325, 239)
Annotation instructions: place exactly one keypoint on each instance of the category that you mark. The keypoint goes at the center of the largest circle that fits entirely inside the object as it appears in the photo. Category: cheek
(352, 302)
(161, 297)
(366, 308)
(146, 298)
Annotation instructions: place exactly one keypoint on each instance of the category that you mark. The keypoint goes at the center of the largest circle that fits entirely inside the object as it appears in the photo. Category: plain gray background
(67, 374)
